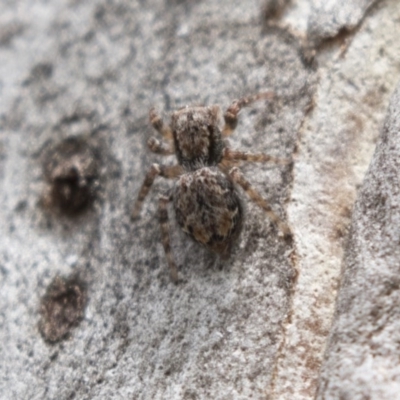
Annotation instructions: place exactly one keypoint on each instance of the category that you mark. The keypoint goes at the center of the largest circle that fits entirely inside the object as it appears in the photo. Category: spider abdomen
(208, 208)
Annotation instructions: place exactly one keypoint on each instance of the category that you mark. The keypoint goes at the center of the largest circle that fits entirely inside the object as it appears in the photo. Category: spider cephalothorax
(197, 136)
(205, 197)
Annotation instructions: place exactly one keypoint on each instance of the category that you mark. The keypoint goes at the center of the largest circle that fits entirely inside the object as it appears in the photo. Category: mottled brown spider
(205, 198)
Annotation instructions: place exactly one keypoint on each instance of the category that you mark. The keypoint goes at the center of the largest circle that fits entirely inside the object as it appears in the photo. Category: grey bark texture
(331, 17)
(87, 306)
(363, 351)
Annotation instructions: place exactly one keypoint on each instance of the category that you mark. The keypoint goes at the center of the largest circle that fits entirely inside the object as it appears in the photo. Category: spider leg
(231, 114)
(226, 165)
(155, 170)
(234, 155)
(159, 147)
(238, 178)
(159, 125)
(164, 226)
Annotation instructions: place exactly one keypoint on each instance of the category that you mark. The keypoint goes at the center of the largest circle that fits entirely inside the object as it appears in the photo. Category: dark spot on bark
(62, 308)
(71, 169)
(42, 71)
(273, 9)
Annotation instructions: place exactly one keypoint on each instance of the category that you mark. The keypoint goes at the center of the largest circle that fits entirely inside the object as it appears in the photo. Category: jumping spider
(205, 198)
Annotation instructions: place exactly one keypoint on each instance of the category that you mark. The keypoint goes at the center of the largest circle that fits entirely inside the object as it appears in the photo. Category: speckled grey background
(254, 326)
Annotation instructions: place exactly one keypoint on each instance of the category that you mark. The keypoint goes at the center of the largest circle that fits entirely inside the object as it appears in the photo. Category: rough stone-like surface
(330, 17)
(363, 352)
(337, 141)
(216, 334)
(234, 329)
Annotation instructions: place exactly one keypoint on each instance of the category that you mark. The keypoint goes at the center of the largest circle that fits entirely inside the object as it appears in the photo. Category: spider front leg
(155, 170)
(234, 155)
(158, 147)
(238, 178)
(164, 226)
(231, 114)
